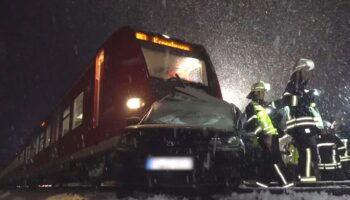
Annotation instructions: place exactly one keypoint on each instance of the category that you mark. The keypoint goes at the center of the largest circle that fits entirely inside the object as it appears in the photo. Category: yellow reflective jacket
(264, 121)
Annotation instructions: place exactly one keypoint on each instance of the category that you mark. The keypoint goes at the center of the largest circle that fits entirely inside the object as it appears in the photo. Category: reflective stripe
(251, 118)
(273, 105)
(288, 185)
(280, 174)
(271, 131)
(286, 93)
(308, 162)
(340, 148)
(344, 159)
(331, 164)
(328, 164)
(300, 124)
(300, 119)
(345, 142)
(294, 100)
(330, 168)
(261, 184)
(325, 144)
(334, 152)
(260, 87)
(257, 130)
(284, 137)
(308, 179)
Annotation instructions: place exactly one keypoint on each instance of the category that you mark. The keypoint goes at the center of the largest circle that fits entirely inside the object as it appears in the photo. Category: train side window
(78, 110)
(36, 145)
(22, 156)
(66, 121)
(30, 154)
(32, 149)
(27, 153)
(56, 130)
(42, 141)
(47, 135)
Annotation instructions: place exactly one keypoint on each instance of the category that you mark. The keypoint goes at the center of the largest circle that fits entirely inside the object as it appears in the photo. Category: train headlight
(134, 103)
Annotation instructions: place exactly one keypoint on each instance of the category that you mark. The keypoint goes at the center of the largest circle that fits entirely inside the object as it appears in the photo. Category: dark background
(44, 45)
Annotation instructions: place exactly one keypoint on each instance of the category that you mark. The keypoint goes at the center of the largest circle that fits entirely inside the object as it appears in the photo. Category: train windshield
(164, 63)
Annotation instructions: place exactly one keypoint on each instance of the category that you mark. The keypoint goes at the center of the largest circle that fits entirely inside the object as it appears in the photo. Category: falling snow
(45, 45)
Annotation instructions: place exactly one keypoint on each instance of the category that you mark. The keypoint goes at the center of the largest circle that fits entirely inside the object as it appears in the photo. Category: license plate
(169, 163)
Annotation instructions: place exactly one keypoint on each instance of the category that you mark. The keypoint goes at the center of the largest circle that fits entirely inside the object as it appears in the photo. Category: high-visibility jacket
(309, 117)
(317, 116)
(259, 120)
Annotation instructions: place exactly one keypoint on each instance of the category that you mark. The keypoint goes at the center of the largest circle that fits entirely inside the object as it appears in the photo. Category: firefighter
(329, 146)
(303, 121)
(259, 121)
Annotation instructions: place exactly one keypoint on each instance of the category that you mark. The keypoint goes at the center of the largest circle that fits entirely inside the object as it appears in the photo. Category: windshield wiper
(196, 84)
(177, 80)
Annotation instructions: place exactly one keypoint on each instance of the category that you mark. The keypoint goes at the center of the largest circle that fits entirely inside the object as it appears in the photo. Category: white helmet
(261, 86)
(258, 86)
(304, 63)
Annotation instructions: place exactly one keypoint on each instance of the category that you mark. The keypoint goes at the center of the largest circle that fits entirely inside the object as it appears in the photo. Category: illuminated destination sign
(162, 41)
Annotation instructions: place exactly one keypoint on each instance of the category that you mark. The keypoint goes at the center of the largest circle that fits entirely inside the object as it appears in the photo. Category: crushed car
(188, 139)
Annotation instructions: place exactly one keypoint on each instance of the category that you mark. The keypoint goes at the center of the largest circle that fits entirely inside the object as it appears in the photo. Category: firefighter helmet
(303, 63)
(258, 86)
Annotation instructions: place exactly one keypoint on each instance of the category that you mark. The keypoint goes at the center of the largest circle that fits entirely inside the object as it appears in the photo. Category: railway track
(332, 189)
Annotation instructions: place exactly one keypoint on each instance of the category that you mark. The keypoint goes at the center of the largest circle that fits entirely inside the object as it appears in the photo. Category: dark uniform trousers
(269, 158)
(306, 143)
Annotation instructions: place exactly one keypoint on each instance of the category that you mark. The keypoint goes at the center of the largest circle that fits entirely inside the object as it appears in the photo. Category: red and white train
(128, 73)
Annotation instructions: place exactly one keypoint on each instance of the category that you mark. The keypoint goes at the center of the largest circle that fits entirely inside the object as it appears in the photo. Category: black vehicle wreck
(188, 139)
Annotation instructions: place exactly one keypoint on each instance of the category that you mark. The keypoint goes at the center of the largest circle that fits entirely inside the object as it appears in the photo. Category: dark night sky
(44, 45)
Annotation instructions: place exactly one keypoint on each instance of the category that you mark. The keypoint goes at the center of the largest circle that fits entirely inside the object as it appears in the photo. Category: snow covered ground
(263, 195)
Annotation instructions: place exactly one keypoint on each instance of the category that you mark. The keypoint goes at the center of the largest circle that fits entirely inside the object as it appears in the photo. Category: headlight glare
(134, 103)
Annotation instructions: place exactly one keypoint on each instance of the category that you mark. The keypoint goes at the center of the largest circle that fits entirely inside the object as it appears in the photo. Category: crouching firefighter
(271, 165)
(301, 122)
(329, 145)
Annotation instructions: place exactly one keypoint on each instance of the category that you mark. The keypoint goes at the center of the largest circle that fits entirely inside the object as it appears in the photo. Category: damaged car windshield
(184, 109)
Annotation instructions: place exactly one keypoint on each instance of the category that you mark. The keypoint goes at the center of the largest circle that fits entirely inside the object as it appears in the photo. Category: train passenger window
(32, 149)
(48, 133)
(30, 152)
(42, 141)
(78, 110)
(36, 145)
(27, 153)
(66, 121)
(56, 130)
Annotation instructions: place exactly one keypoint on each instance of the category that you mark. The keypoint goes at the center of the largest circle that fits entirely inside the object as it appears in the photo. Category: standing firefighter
(259, 122)
(302, 124)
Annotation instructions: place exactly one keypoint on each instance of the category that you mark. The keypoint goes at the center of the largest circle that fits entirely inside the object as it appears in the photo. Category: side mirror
(132, 121)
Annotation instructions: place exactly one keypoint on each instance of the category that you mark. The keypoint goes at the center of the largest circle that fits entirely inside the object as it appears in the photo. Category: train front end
(188, 138)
